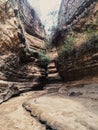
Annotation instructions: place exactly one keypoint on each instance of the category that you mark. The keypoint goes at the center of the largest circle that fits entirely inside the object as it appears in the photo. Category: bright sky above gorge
(44, 9)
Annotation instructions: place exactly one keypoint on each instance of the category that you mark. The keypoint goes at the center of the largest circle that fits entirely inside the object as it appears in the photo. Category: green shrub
(92, 28)
(47, 45)
(43, 59)
(66, 49)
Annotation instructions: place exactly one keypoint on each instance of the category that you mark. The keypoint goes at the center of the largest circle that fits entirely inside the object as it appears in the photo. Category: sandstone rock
(14, 117)
(18, 60)
(30, 19)
(62, 113)
(73, 10)
(76, 39)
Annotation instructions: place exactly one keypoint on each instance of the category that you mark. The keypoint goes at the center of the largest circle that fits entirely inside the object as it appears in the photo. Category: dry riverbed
(71, 108)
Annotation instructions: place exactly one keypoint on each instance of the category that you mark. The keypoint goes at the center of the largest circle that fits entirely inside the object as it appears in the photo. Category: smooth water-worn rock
(63, 113)
(14, 117)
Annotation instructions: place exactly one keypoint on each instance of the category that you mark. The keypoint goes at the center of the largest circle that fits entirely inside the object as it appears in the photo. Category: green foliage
(20, 14)
(43, 59)
(47, 44)
(66, 49)
(91, 29)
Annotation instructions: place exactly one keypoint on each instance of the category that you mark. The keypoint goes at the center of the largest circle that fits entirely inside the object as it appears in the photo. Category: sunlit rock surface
(76, 39)
(14, 117)
(62, 113)
(19, 69)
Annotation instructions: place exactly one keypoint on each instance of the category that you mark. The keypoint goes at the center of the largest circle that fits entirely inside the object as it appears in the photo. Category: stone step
(51, 65)
(54, 80)
(53, 75)
(52, 71)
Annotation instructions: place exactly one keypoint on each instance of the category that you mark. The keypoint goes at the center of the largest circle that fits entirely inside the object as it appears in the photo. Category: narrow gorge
(49, 83)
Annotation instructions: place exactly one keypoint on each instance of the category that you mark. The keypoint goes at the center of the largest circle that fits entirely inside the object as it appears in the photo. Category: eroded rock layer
(19, 26)
(77, 39)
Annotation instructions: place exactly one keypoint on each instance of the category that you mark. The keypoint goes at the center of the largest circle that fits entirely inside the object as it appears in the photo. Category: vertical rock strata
(76, 39)
(21, 38)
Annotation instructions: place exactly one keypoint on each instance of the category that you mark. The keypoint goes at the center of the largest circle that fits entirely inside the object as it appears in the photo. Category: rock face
(30, 20)
(77, 39)
(19, 69)
(72, 10)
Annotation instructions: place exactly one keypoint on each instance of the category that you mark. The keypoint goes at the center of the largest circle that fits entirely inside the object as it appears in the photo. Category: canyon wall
(76, 39)
(21, 38)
